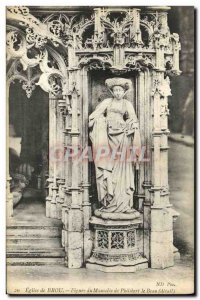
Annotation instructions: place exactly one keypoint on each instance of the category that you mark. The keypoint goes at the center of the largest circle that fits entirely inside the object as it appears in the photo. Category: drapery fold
(114, 173)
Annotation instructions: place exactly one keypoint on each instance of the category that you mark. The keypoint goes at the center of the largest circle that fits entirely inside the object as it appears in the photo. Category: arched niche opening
(28, 142)
(146, 38)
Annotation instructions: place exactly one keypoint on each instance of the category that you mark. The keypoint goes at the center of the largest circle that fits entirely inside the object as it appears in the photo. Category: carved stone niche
(118, 244)
(97, 93)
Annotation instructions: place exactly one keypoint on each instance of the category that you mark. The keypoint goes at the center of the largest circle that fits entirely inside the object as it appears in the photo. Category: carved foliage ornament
(96, 61)
(51, 79)
(137, 62)
(36, 29)
(102, 239)
(19, 10)
(26, 78)
(120, 30)
(33, 39)
(69, 29)
(105, 29)
(29, 87)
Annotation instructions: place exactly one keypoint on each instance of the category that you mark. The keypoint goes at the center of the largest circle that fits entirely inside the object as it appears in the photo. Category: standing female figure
(114, 132)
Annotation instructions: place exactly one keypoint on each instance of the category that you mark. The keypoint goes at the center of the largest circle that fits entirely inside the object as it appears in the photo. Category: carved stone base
(139, 265)
(134, 214)
(115, 246)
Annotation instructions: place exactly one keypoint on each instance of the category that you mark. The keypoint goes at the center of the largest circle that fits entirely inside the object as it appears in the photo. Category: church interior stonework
(87, 97)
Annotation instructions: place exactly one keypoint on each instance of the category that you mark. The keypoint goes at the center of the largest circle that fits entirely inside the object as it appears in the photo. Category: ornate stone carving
(120, 40)
(131, 239)
(102, 239)
(116, 246)
(33, 39)
(105, 258)
(101, 61)
(29, 87)
(15, 46)
(168, 63)
(119, 29)
(140, 61)
(117, 240)
(28, 21)
(18, 10)
(162, 87)
(69, 29)
(51, 80)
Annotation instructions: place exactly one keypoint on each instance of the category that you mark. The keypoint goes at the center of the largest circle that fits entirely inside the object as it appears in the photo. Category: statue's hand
(130, 127)
(91, 123)
(129, 131)
(130, 123)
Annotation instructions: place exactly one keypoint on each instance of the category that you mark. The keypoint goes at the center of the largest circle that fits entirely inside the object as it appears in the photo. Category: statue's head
(118, 86)
(118, 92)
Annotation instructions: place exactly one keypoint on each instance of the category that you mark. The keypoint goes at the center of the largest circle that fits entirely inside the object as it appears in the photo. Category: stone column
(53, 213)
(146, 184)
(176, 46)
(143, 122)
(50, 178)
(119, 56)
(87, 235)
(75, 215)
(135, 28)
(97, 21)
(9, 196)
(161, 213)
(60, 164)
(67, 176)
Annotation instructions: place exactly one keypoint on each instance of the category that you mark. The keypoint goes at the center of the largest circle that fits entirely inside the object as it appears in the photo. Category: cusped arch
(18, 48)
(146, 32)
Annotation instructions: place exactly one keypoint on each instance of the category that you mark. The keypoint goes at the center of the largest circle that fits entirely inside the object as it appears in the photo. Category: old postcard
(100, 168)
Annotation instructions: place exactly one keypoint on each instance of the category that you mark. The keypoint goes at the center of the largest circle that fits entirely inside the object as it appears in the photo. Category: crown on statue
(126, 84)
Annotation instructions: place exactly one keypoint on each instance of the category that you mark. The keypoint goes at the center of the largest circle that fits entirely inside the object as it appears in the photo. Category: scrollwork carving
(69, 29)
(34, 39)
(17, 48)
(117, 240)
(131, 239)
(15, 45)
(102, 239)
(51, 80)
(137, 62)
(18, 10)
(96, 61)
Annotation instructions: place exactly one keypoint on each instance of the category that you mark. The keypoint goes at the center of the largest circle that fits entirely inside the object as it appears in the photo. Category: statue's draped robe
(114, 173)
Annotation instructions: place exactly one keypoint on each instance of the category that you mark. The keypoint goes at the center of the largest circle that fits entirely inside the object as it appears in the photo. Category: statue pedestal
(115, 246)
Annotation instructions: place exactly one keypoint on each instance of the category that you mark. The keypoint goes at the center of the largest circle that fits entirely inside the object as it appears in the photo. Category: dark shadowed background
(181, 104)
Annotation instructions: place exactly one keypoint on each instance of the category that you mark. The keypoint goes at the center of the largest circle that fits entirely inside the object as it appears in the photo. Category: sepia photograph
(100, 133)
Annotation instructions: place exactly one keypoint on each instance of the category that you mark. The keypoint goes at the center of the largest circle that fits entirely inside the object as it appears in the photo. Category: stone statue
(114, 130)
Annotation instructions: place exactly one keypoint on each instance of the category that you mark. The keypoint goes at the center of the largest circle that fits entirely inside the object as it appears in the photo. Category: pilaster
(75, 213)
(161, 217)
